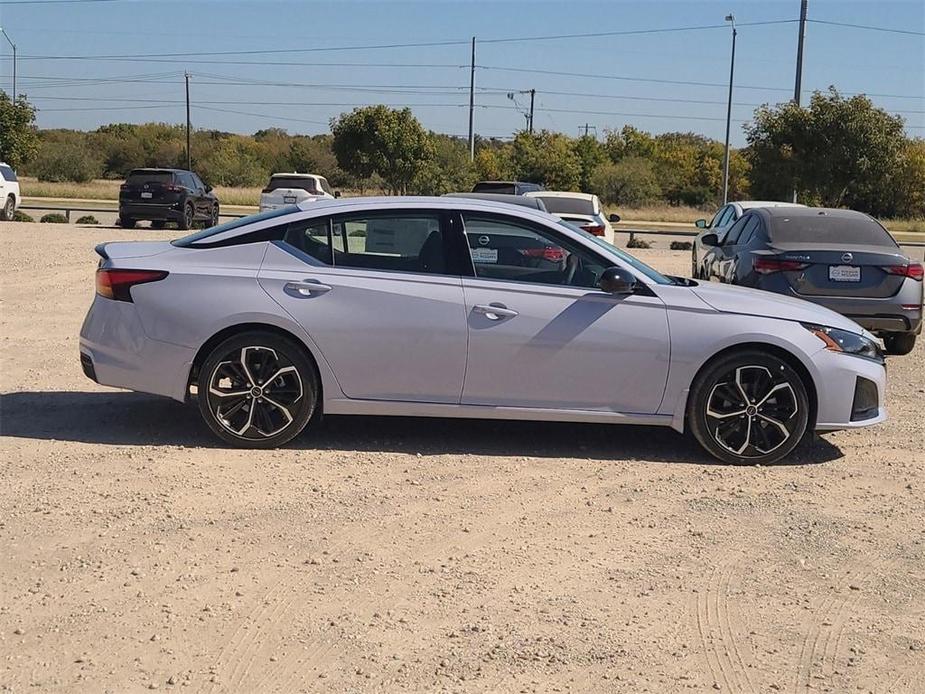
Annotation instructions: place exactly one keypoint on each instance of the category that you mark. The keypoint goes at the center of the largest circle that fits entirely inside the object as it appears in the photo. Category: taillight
(115, 284)
(124, 186)
(766, 266)
(173, 188)
(554, 254)
(912, 270)
(596, 229)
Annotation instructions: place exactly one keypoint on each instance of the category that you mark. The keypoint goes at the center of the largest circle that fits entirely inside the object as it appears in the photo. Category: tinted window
(558, 205)
(187, 181)
(742, 230)
(822, 228)
(508, 250)
(728, 217)
(8, 174)
(137, 178)
(298, 182)
(486, 187)
(405, 242)
(719, 214)
(197, 182)
(310, 236)
(751, 231)
(201, 238)
(325, 186)
(630, 260)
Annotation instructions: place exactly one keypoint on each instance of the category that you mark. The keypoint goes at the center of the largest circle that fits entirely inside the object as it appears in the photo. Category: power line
(260, 115)
(867, 27)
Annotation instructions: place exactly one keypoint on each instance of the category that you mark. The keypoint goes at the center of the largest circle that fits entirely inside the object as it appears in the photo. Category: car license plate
(844, 273)
(146, 195)
(484, 255)
(289, 199)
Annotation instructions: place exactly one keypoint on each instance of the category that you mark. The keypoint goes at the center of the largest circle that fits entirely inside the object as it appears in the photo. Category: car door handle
(494, 311)
(308, 287)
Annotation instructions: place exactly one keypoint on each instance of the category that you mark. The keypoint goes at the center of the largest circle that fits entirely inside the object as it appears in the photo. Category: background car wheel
(126, 222)
(748, 408)
(188, 215)
(213, 217)
(158, 224)
(257, 390)
(6, 214)
(899, 344)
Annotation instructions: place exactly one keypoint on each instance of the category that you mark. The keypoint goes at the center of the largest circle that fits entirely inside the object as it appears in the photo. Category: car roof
(295, 175)
(157, 169)
(559, 194)
(343, 205)
(751, 204)
(504, 198)
(815, 211)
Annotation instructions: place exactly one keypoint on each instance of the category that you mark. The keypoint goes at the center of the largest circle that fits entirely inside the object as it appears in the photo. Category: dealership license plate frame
(844, 273)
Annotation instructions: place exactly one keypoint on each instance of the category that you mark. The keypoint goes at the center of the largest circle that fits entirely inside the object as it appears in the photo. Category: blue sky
(433, 80)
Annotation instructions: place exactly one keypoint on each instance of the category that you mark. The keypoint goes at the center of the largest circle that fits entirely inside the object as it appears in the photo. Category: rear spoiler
(101, 251)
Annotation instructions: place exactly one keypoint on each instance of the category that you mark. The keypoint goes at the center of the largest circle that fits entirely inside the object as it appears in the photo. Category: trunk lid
(831, 269)
(121, 250)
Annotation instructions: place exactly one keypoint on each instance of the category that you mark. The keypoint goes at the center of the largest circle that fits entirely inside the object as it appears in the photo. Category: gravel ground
(424, 555)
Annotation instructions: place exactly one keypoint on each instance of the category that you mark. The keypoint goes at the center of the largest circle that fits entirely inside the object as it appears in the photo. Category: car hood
(754, 302)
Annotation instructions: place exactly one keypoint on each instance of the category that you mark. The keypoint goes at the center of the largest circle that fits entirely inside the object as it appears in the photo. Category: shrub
(53, 218)
(681, 245)
(638, 243)
(358, 232)
(631, 182)
(64, 161)
(88, 219)
(19, 216)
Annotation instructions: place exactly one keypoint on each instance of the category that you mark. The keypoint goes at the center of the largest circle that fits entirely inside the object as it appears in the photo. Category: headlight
(847, 342)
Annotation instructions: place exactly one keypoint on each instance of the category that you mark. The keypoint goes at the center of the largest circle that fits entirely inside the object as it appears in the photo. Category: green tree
(590, 154)
(66, 161)
(18, 138)
(384, 141)
(631, 182)
(449, 170)
(547, 158)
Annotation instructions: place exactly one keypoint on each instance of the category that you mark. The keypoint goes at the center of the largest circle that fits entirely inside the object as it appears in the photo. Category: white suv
(9, 192)
(293, 188)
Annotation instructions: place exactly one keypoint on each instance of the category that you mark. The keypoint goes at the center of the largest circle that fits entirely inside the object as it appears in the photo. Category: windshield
(561, 205)
(234, 224)
(635, 263)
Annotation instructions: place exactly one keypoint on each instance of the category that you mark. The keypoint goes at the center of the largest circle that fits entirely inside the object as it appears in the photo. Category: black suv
(166, 195)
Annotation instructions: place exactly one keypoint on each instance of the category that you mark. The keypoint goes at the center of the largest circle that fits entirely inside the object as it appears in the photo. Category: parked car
(166, 195)
(725, 217)
(522, 200)
(582, 209)
(840, 259)
(292, 188)
(505, 187)
(9, 192)
(295, 315)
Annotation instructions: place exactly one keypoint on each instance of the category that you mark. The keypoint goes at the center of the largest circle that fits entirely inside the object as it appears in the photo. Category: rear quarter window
(8, 174)
(827, 229)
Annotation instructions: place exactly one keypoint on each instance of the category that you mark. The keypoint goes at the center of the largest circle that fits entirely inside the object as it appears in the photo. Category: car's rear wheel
(899, 344)
(6, 214)
(186, 222)
(748, 408)
(213, 217)
(257, 390)
(127, 222)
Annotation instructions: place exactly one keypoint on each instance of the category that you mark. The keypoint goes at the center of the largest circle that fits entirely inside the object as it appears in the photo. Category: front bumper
(851, 391)
(115, 351)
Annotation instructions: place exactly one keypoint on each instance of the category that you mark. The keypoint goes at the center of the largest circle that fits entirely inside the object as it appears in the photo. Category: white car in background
(581, 209)
(294, 188)
(9, 192)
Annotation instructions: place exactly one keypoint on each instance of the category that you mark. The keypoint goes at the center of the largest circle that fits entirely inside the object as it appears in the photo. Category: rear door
(376, 295)
(542, 335)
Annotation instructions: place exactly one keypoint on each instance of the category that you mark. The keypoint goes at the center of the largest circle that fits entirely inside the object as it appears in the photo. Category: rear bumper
(169, 212)
(879, 315)
(115, 351)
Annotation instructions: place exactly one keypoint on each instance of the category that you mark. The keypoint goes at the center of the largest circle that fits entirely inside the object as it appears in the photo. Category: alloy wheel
(751, 411)
(254, 392)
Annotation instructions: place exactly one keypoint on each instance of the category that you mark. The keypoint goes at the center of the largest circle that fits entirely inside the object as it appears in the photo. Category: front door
(386, 318)
(542, 335)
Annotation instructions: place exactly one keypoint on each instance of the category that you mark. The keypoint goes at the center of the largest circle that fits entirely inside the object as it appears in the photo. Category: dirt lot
(421, 555)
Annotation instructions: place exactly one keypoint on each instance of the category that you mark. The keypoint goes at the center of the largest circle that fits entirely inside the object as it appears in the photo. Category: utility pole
(472, 103)
(798, 82)
(587, 128)
(189, 160)
(732, 67)
(13, 46)
(532, 97)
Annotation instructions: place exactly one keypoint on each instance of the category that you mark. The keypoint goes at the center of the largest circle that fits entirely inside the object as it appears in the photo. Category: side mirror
(701, 224)
(615, 280)
(709, 240)
(613, 217)
(336, 193)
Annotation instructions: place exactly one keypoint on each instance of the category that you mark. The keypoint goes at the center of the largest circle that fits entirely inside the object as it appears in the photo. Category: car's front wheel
(257, 390)
(748, 408)
(899, 344)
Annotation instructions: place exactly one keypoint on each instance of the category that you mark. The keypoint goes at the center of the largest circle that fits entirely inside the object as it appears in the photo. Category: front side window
(505, 249)
(311, 237)
(402, 242)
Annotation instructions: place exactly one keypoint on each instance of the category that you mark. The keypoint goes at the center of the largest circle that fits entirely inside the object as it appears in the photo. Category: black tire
(127, 222)
(158, 224)
(189, 215)
(750, 431)
(245, 416)
(899, 344)
(6, 213)
(213, 216)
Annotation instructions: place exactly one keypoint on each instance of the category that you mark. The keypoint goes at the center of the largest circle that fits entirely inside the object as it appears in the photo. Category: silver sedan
(447, 307)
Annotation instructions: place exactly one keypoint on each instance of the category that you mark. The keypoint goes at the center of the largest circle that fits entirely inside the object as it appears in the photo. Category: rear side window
(822, 228)
(558, 205)
(298, 182)
(202, 238)
(403, 242)
(742, 230)
(8, 174)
